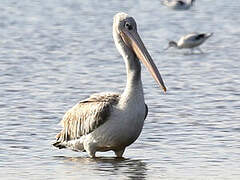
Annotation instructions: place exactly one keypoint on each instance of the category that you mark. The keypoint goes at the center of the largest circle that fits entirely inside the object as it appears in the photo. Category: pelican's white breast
(123, 127)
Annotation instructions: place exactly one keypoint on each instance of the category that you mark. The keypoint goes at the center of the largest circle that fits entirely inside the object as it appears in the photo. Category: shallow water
(55, 53)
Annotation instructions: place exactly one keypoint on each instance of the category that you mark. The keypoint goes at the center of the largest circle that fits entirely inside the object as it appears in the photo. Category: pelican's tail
(59, 145)
(75, 145)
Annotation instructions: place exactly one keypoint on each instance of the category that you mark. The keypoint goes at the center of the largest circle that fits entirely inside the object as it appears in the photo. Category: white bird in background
(111, 121)
(190, 41)
(178, 4)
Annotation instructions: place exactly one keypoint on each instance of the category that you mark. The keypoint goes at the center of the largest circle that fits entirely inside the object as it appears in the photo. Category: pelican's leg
(90, 149)
(91, 153)
(119, 153)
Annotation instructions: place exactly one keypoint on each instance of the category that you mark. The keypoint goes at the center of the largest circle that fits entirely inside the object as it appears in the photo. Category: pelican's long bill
(132, 39)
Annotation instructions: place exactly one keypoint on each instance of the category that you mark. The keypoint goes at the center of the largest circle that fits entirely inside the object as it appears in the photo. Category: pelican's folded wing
(86, 116)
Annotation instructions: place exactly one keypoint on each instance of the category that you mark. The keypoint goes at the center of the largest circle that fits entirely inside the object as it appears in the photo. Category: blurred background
(54, 53)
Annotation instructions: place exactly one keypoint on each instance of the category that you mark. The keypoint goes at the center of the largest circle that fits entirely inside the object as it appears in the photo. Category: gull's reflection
(115, 168)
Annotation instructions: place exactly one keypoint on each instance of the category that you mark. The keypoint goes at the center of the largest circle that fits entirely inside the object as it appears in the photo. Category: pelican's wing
(86, 116)
(146, 113)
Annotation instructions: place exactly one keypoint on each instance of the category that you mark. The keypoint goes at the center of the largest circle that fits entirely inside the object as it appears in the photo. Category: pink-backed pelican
(178, 4)
(111, 121)
(190, 41)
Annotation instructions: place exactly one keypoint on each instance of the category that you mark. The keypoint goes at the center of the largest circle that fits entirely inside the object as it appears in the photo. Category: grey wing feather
(200, 36)
(191, 37)
(180, 3)
(86, 116)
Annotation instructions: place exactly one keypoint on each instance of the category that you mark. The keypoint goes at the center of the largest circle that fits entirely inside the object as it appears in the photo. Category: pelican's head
(128, 42)
(122, 22)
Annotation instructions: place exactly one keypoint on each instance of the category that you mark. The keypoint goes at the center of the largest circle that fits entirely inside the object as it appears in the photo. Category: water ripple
(55, 53)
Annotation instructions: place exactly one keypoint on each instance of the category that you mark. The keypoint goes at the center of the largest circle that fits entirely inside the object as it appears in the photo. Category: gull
(190, 41)
(178, 4)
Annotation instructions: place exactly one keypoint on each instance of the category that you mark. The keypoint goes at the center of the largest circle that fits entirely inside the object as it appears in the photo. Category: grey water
(56, 53)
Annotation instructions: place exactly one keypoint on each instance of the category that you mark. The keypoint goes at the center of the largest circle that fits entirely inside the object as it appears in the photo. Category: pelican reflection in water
(124, 167)
(112, 121)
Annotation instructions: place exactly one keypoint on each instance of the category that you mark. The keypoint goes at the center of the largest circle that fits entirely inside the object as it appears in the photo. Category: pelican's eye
(128, 26)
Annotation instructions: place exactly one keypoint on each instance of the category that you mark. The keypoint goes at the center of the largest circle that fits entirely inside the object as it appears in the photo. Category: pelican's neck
(133, 89)
(133, 69)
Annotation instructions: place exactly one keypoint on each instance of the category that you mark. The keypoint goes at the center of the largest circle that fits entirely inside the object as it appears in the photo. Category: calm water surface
(55, 53)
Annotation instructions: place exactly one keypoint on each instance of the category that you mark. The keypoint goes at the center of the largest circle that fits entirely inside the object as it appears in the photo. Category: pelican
(112, 121)
(178, 4)
(190, 41)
